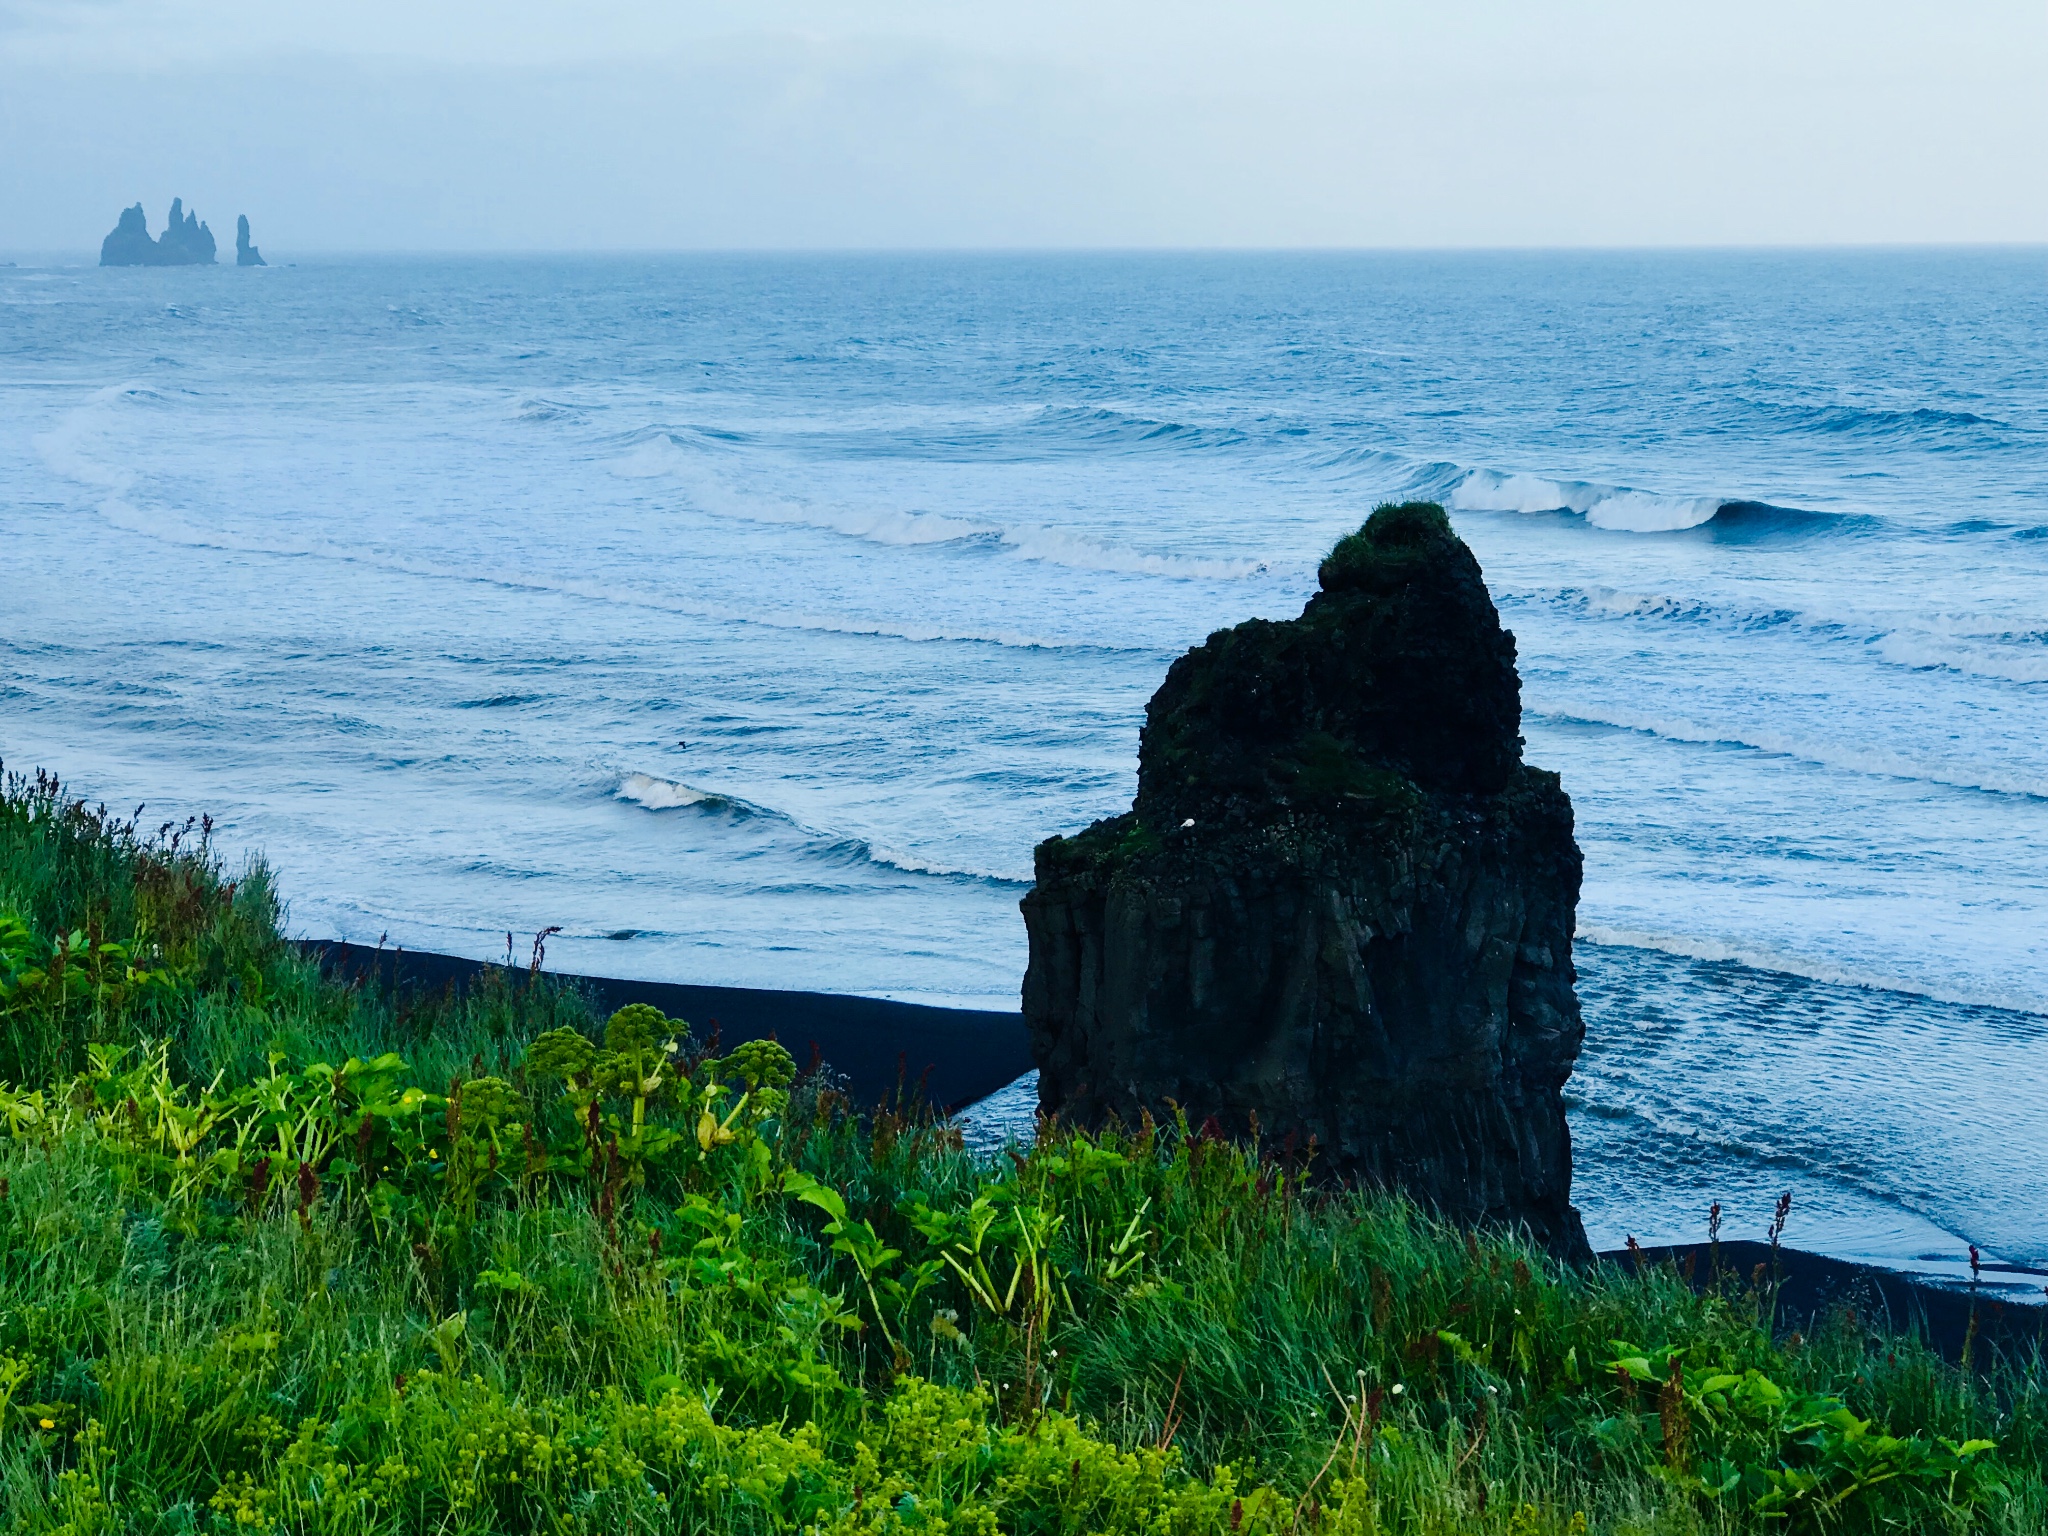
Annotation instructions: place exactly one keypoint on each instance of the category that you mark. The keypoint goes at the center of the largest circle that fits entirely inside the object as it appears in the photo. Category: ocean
(752, 617)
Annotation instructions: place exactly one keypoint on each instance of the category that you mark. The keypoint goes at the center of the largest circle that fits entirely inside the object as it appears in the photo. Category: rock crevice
(1341, 902)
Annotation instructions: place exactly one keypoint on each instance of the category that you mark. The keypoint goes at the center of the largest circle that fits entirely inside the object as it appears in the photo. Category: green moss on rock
(1393, 543)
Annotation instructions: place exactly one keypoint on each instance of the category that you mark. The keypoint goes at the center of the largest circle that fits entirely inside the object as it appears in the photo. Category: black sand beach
(960, 1054)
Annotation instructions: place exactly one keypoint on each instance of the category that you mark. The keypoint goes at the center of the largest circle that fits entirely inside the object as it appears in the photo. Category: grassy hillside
(274, 1256)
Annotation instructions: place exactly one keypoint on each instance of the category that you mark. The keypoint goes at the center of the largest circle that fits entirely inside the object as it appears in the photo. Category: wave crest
(644, 789)
(539, 408)
(1603, 506)
(1873, 762)
(1620, 508)
(1927, 424)
(653, 793)
(1757, 957)
(1093, 428)
(1970, 645)
(669, 455)
(119, 514)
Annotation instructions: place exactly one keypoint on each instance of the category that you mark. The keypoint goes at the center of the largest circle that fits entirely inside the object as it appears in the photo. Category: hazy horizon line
(84, 256)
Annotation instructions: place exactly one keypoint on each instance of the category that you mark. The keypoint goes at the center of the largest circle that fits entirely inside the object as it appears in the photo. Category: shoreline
(967, 1055)
(2007, 1312)
(961, 1054)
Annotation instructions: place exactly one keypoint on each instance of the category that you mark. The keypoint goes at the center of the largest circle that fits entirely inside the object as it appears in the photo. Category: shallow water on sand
(753, 618)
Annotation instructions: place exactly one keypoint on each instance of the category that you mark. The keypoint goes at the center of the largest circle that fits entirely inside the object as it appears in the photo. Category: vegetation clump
(280, 1255)
(1396, 670)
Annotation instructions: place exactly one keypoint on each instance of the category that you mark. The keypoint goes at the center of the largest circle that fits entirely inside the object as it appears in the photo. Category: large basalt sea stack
(1341, 902)
(186, 241)
(246, 254)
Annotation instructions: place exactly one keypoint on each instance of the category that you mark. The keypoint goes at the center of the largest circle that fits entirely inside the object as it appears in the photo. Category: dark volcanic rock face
(1364, 936)
(186, 242)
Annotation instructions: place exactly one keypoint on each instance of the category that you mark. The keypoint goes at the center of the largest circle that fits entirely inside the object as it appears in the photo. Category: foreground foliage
(277, 1255)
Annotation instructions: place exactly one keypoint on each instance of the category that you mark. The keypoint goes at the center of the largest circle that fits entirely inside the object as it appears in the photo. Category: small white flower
(1188, 823)
(1397, 1389)
(1494, 1390)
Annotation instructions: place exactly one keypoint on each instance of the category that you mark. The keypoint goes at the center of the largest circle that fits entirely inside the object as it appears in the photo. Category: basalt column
(1341, 901)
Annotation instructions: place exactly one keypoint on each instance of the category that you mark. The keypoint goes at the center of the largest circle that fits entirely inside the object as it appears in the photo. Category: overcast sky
(668, 124)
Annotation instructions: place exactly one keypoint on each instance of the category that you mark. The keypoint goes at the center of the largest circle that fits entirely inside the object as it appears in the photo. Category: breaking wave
(66, 446)
(1874, 762)
(1603, 506)
(1761, 517)
(1757, 957)
(672, 455)
(122, 515)
(539, 408)
(1622, 509)
(1928, 426)
(652, 793)
(1092, 429)
(1616, 508)
(1614, 603)
(1970, 645)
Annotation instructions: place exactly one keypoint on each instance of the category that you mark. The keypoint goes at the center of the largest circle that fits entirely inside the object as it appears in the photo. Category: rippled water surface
(754, 617)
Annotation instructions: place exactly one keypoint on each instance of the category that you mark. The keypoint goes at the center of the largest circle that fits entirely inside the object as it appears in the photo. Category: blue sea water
(753, 617)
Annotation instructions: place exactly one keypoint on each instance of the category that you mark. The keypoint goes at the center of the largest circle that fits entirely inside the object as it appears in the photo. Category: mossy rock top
(1396, 678)
(1394, 542)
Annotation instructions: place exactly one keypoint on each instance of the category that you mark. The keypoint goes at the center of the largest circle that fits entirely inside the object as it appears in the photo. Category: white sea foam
(1952, 653)
(663, 457)
(1979, 645)
(64, 447)
(1878, 762)
(1604, 506)
(912, 864)
(1062, 547)
(659, 794)
(1762, 957)
(1006, 1117)
(159, 525)
(663, 454)
(67, 448)
(1617, 603)
(875, 525)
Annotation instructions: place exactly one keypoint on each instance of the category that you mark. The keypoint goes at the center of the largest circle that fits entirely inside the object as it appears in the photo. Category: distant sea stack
(246, 255)
(185, 243)
(1341, 902)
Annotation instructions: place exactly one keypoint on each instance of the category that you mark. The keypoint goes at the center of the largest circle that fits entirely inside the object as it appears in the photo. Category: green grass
(275, 1255)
